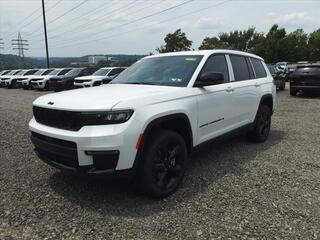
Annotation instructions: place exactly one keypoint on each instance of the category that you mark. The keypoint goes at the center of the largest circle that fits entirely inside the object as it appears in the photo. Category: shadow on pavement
(209, 162)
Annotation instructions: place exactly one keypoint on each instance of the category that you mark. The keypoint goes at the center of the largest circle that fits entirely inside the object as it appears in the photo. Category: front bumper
(81, 151)
(38, 84)
(82, 85)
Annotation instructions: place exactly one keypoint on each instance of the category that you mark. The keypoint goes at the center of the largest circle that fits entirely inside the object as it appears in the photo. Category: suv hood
(111, 96)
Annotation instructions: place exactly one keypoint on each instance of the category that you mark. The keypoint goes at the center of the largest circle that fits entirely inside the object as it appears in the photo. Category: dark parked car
(278, 77)
(66, 81)
(306, 78)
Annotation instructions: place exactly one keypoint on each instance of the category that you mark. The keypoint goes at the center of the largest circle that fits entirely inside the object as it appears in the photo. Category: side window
(258, 68)
(64, 71)
(114, 72)
(84, 72)
(46, 72)
(240, 68)
(217, 63)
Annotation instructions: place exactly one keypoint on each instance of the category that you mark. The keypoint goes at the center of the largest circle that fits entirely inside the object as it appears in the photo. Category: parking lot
(234, 189)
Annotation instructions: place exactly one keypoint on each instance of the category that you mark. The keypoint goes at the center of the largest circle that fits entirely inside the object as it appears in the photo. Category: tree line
(274, 46)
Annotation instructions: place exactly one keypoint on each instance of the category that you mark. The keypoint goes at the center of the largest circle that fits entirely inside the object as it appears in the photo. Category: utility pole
(45, 32)
(1, 47)
(20, 45)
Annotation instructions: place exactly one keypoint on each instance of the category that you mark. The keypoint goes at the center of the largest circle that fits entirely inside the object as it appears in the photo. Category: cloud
(294, 19)
(209, 23)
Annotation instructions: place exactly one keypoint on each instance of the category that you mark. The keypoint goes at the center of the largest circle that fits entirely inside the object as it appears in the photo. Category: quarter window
(240, 68)
(258, 68)
(217, 63)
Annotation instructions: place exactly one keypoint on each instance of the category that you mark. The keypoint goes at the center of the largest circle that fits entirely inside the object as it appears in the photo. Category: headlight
(104, 118)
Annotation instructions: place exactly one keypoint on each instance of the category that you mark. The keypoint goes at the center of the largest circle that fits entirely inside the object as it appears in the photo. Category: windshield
(21, 73)
(55, 72)
(101, 72)
(73, 72)
(166, 71)
(39, 72)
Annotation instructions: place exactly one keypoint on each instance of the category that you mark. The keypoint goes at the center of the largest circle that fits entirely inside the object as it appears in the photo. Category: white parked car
(25, 81)
(102, 76)
(12, 82)
(41, 82)
(10, 74)
(148, 120)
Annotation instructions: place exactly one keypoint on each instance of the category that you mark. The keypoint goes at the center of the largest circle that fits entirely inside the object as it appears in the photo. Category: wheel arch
(178, 122)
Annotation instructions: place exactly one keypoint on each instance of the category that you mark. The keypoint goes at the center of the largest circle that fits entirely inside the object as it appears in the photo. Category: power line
(70, 10)
(139, 19)
(37, 17)
(141, 28)
(95, 20)
(72, 21)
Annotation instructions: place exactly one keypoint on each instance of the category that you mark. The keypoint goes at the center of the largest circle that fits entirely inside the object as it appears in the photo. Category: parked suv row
(102, 76)
(58, 79)
(148, 120)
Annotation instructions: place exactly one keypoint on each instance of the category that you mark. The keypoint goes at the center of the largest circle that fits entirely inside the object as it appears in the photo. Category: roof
(205, 53)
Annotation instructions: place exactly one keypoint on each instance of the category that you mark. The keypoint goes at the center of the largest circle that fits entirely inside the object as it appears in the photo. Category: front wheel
(262, 125)
(163, 164)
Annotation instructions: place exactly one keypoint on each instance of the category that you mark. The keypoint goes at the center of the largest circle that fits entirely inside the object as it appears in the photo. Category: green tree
(314, 45)
(295, 47)
(274, 44)
(175, 42)
(210, 43)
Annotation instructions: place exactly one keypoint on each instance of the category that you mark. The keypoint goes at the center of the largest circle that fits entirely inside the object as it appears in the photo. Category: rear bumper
(304, 87)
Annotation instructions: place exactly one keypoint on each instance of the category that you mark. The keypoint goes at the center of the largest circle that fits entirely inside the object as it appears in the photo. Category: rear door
(214, 102)
(246, 90)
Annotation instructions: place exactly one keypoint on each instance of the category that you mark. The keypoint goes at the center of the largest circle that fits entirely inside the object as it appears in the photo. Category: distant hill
(9, 61)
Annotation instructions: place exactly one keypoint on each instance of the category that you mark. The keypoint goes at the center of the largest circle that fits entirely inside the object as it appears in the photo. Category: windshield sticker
(191, 59)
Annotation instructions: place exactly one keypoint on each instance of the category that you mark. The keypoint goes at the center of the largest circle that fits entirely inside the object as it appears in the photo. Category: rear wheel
(262, 125)
(163, 164)
(282, 86)
(293, 92)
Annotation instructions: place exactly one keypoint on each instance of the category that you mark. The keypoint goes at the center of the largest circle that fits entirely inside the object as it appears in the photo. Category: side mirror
(209, 78)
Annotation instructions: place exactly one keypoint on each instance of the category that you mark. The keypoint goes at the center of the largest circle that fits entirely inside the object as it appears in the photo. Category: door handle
(229, 89)
(257, 84)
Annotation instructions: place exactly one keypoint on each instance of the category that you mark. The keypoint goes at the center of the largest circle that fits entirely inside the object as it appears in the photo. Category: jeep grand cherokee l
(305, 78)
(148, 119)
(42, 82)
(25, 81)
(66, 82)
(12, 82)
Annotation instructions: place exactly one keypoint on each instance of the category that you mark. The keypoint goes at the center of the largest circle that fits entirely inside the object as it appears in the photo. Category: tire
(14, 84)
(163, 165)
(293, 92)
(282, 86)
(46, 86)
(262, 125)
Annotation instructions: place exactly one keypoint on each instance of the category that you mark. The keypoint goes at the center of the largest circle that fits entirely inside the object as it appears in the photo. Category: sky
(81, 27)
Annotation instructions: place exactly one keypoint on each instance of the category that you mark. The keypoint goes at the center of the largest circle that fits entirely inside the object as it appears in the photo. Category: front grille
(55, 150)
(82, 81)
(58, 118)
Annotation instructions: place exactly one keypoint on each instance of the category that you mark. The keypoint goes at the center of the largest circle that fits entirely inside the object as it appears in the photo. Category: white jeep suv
(25, 81)
(102, 76)
(149, 118)
(41, 82)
